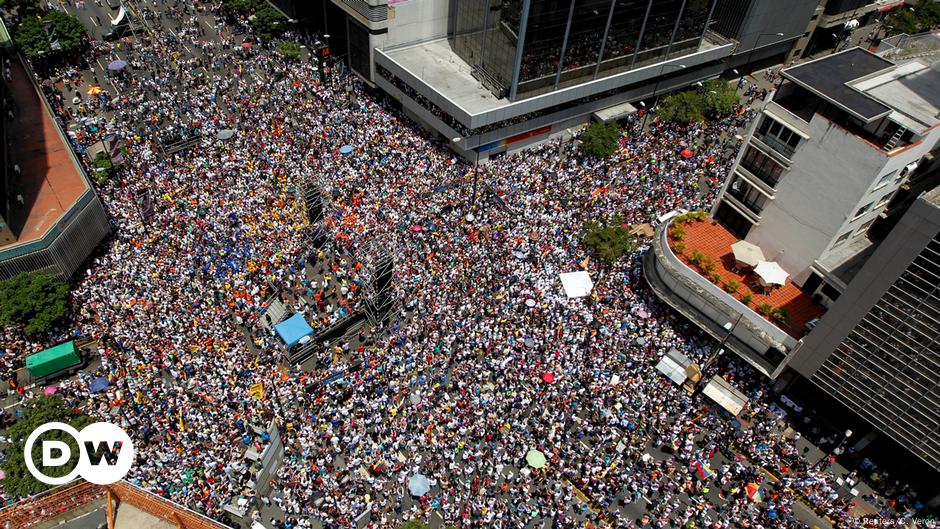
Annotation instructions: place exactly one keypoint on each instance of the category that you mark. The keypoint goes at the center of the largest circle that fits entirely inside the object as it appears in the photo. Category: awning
(725, 395)
(614, 112)
(673, 365)
(576, 284)
(119, 19)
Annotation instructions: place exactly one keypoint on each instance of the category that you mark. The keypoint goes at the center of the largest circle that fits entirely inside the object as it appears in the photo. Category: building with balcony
(502, 75)
(875, 352)
(832, 147)
(834, 144)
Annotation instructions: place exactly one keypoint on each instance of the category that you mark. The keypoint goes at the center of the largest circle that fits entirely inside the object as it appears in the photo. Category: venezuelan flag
(703, 471)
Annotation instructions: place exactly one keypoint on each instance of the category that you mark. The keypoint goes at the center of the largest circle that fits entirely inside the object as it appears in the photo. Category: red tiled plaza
(714, 241)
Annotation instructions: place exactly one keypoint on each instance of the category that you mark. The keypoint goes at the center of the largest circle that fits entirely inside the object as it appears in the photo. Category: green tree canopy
(608, 243)
(33, 299)
(924, 16)
(69, 31)
(65, 35)
(31, 38)
(18, 481)
(683, 107)
(268, 22)
(413, 524)
(600, 139)
(718, 98)
(288, 49)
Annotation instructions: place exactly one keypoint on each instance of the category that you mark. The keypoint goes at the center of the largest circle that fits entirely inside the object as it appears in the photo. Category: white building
(835, 142)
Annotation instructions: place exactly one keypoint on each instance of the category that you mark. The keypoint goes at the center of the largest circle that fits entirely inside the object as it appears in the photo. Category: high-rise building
(830, 150)
(497, 75)
(834, 144)
(877, 351)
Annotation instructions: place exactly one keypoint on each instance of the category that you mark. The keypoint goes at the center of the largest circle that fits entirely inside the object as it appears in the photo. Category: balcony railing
(774, 143)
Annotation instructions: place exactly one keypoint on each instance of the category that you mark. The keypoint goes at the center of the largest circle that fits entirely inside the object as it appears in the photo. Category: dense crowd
(456, 388)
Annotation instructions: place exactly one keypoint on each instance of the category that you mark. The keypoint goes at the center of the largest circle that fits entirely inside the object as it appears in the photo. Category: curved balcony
(758, 341)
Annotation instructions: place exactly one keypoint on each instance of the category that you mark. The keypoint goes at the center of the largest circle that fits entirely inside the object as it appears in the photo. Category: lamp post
(476, 162)
(659, 79)
(751, 54)
(729, 327)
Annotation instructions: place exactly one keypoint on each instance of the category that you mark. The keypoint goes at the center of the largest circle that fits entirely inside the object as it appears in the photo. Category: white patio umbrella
(746, 253)
(770, 273)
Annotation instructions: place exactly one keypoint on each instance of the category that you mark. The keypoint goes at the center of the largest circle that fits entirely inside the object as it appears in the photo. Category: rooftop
(50, 181)
(714, 241)
(435, 64)
(910, 90)
(830, 77)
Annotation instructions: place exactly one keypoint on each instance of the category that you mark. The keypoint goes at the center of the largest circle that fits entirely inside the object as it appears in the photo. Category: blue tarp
(293, 329)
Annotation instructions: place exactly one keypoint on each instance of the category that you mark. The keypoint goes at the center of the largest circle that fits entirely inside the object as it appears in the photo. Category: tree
(104, 168)
(31, 38)
(33, 299)
(288, 49)
(64, 30)
(718, 98)
(600, 139)
(608, 243)
(684, 107)
(18, 481)
(267, 22)
(924, 16)
(68, 31)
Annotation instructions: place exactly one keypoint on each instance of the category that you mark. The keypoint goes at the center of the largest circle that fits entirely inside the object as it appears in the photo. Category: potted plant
(732, 286)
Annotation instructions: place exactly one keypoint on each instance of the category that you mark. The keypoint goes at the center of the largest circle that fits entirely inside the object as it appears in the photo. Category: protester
(454, 388)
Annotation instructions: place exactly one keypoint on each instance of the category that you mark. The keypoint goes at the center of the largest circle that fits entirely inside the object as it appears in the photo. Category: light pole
(750, 55)
(729, 327)
(476, 162)
(659, 79)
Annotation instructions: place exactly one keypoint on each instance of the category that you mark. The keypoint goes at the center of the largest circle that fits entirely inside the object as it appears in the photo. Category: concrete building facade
(834, 144)
(499, 76)
(877, 351)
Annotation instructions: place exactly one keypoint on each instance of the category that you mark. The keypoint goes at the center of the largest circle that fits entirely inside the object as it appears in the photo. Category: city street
(487, 362)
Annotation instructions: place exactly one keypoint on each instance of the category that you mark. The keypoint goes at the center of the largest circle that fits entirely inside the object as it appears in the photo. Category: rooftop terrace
(714, 241)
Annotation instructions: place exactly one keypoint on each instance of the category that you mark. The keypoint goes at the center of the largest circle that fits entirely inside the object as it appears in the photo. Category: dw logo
(105, 453)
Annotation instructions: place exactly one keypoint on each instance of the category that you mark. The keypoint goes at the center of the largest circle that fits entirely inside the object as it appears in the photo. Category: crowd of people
(488, 359)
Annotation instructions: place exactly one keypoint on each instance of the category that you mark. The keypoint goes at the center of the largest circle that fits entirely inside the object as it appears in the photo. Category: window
(883, 181)
(842, 238)
(864, 209)
(864, 228)
(762, 166)
(778, 137)
(884, 200)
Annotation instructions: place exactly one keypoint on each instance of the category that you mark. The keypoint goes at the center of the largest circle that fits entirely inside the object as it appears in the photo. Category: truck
(64, 358)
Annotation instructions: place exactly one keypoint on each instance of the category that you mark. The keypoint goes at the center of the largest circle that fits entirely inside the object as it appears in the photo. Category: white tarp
(119, 19)
(576, 284)
(725, 395)
(673, 365)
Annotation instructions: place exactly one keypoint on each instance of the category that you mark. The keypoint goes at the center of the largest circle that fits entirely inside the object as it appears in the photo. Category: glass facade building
(886, 368)
(522, 48)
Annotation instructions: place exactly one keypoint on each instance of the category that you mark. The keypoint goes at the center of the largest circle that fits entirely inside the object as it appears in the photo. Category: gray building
(501, 75)
(877, 350)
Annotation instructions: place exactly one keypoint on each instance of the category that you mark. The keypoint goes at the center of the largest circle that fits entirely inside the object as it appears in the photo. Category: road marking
(93, 21)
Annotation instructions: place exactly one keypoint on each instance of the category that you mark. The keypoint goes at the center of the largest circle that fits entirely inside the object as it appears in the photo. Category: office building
(52, 218)
(830, 150)
(497, 76)
(828, 29)
(835, 142)
(876, 351)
